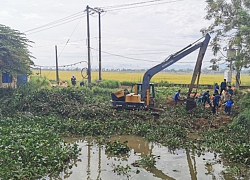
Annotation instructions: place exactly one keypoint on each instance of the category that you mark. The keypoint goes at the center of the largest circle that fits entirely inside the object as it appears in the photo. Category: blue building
(7, 80)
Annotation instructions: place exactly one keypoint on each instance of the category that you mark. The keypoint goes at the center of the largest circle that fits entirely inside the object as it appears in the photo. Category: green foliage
(230, 25)
(162, 83)
(121, 170)
(245, 102)
(127, 83)
(15, 57)
(86, 112)
(147, 161)
(30, 151)
(241, 126)
(37, 82)
(164, 93)
(117, 148)
(109, 84)
(101, 91)
(232, 141)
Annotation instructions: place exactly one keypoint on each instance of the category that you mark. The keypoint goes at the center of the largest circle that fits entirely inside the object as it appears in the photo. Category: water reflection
(144, 148)
(191, 165)
(95, 164)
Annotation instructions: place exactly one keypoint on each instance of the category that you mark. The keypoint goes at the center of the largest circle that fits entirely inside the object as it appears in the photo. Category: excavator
(143, 95)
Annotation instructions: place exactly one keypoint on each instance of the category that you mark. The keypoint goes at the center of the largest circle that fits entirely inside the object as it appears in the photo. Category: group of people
(224, 97)
(222, 94)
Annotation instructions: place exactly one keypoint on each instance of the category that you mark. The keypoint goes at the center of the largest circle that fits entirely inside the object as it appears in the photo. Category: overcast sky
(146, 34)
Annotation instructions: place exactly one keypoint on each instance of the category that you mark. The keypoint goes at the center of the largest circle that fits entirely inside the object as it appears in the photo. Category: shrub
(109, 84)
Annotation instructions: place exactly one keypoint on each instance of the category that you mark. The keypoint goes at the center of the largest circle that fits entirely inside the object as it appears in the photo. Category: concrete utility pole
(100, 61)
(99, 11)
(57, 74)
(88, 34)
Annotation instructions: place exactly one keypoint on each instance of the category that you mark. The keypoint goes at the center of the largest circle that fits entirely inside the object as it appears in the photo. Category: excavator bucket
(191, 104)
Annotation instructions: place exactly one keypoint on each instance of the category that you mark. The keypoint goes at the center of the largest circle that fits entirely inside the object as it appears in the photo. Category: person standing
(223, 86)
(206, 98)
(230, 90)
(216, 101)
(228, 106)
(177, 96)
(73, 80)
(216, 88)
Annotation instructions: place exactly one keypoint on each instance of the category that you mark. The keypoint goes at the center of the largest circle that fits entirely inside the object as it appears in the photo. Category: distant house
(7, 80)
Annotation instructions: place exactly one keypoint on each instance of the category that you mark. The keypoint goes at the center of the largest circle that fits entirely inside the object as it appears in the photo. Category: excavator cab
(133, 100)
(150, 94)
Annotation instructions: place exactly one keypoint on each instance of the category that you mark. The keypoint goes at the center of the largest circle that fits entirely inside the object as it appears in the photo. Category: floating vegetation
(33, 121)
(30, 151)
(147, 161)
(117, 148)
(121, 170)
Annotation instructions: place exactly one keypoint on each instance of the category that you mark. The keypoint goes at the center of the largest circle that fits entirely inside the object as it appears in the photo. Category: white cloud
(29, 16)
(4, 14)
(164, 28)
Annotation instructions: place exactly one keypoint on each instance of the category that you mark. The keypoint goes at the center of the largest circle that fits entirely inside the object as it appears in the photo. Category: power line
(131, 4)
(58, 43)
(81, 14)
(58, 21)
(67, 65)
(70, 37)
(140, 59)
(115, 9)
(55, 25)
(125, 56)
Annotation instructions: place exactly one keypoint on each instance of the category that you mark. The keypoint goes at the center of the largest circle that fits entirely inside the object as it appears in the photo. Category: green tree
(231, 28)
(15, 58)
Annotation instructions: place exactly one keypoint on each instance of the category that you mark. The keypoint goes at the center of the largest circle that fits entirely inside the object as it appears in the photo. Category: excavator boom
(143, 96)
(172, 59)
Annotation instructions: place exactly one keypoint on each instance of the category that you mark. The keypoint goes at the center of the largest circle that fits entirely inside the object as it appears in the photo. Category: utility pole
(99, 11)
(100, 61)
(88, 35)
(57, 74)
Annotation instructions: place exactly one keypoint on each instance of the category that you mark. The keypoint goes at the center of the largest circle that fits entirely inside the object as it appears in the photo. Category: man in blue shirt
(230, 91)
(228, 106)
(223, 86)
(206, 98)
(177, 96)
(216, 101)
(216, 88)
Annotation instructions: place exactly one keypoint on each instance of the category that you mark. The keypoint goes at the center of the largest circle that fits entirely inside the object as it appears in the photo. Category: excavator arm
(173, 59)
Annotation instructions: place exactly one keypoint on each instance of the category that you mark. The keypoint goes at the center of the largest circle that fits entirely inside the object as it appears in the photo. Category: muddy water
(95, 164)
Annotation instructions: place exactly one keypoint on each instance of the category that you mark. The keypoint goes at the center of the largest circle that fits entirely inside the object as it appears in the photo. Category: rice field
(137, 77)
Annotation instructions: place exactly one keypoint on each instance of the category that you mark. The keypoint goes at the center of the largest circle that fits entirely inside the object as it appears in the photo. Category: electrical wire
(57, 43)
(70, 37)
(58, 21)
(125, 56)
(131, 4)
(139, 59)
(115, 9)
(81, 14)
(67, 65)
(56, 25)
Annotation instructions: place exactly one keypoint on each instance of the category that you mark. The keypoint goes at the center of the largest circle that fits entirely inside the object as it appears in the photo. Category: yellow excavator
(143, 95)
